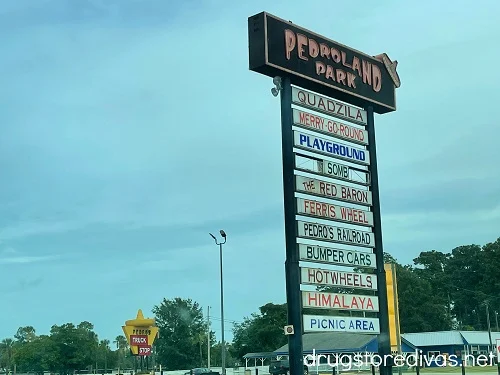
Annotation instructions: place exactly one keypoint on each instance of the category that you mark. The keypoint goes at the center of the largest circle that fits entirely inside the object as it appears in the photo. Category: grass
(457, 369)
(435, 370)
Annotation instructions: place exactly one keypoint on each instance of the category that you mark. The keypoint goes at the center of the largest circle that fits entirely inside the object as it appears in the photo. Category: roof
(479, 337)
(260, 355)
(333, 341)
(434, 338)
(423, 339)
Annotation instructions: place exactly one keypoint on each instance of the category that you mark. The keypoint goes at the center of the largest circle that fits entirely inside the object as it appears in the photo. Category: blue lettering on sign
(333, 148)
(336, 324)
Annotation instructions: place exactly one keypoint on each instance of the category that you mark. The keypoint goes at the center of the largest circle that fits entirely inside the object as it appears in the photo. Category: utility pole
(489, 325)
(496, 320)
(208, 337)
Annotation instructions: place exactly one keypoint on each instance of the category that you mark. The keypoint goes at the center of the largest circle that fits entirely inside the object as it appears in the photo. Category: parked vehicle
(201, 371)
(282, 367)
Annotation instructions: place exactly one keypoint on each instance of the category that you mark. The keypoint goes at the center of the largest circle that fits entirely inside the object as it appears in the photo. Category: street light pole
(223, 343)
(208, 338)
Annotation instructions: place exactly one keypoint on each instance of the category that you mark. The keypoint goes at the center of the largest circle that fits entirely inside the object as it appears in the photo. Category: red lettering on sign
(319, 209)
(353, 194)
(327, 189)
(354, 215)
(318, 276)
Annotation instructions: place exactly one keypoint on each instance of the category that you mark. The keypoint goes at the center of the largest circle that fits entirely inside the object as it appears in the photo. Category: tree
(25, 334)
(75, 346)
(431, 267)
(216, 355)
(7, 353)
(38, 355)
(466, 270)
(104, 349)
(419, 309)
(122, 349)
(181, 330)
(261, 332)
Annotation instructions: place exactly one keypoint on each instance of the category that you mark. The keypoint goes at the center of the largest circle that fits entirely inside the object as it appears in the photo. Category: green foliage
(67, 348)
(260, 332)
(182, 342)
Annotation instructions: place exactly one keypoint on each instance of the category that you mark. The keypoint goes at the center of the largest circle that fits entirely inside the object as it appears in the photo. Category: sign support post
(292, 269)
(384, 344)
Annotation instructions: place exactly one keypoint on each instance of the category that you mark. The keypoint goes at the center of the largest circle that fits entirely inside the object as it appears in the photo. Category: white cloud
(27, 259)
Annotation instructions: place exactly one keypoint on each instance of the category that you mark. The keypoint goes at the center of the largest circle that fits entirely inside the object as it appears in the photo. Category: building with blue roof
(462, 344)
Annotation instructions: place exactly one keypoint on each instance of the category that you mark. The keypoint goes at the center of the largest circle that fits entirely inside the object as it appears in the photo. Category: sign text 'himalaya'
(338, 301)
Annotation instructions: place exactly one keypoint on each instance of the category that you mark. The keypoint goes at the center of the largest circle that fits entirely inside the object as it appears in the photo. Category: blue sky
(130, 129)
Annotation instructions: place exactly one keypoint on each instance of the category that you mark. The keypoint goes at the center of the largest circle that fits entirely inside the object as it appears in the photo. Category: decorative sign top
(140, 332)
(278, 47)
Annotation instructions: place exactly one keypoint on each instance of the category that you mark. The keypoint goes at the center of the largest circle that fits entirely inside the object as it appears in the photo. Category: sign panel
(330, 233)
(145, 350)
(331, 169)
(498, 348)
(336, 301)
(138, 340)
(278, 47)
(328, 106)
(343, 257)
(330, 211)
(392, 306)
(316, 276)
(138, 329)
(330, 148)
(329, 127)
(318, 323)
(327, 189)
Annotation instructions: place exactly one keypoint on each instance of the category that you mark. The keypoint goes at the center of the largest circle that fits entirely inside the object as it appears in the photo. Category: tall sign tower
(329, 95)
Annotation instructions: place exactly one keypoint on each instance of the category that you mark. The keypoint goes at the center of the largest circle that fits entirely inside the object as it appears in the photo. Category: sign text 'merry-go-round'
(326, 126)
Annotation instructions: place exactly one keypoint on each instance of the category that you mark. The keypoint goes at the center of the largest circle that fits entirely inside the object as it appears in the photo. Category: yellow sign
(392, 301)
(137, 328)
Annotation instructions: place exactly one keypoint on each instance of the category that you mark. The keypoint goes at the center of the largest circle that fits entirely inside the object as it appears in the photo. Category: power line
(226, 320)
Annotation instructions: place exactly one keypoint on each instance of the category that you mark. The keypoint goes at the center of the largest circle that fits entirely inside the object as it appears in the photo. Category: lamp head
(215, 239)
(222, 233)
